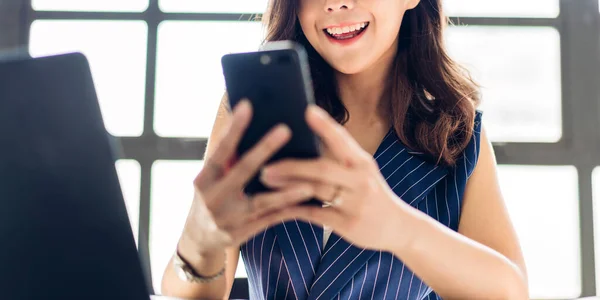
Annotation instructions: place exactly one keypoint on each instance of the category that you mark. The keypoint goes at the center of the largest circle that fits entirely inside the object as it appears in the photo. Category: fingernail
(264, 171)
(243, 104)
(317, 110)
(282, 129)
(266, 175)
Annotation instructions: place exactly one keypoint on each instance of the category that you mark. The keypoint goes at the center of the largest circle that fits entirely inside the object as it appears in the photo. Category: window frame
(578, 24)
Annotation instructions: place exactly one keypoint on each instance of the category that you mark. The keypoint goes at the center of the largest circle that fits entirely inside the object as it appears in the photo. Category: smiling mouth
(346, 32)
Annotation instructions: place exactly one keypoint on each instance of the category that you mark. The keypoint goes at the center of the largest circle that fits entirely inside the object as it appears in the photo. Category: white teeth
(346, 29)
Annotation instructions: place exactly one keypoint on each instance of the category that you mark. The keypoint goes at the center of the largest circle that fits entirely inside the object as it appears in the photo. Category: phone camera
(265, 59)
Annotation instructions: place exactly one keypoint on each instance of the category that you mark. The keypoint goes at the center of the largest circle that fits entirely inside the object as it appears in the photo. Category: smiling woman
(518, 66)
(407, 176)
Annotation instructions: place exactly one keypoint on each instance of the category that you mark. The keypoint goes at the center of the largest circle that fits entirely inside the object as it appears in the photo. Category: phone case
(276, 80)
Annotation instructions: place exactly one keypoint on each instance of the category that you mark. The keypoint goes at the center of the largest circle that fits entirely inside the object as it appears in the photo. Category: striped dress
(289, 261)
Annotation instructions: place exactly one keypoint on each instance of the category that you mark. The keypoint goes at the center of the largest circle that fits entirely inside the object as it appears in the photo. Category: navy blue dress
(287, 261)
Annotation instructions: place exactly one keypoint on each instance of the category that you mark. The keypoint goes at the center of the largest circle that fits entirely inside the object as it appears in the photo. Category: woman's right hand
(221, 215)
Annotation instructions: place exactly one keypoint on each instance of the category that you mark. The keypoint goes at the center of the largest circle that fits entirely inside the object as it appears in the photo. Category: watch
(185, 271)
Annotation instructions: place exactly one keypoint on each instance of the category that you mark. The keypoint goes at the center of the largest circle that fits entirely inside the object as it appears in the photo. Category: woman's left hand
(363, 209)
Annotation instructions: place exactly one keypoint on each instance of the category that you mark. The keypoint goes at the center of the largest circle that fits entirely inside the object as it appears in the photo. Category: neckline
(380, 149)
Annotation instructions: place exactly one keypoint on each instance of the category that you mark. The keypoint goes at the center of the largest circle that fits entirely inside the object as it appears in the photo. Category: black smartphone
(276, 80)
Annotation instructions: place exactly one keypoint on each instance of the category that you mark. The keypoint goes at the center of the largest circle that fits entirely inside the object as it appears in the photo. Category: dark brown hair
(432, 98)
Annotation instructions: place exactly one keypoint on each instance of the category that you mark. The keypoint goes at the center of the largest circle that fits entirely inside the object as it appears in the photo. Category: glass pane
(596, 195)
(505, 8)
(519, 71)
(130, 176)
(544, 207)
(117, 54)
(189, 79)
(229, 6)
(172, 195)
(91, 5)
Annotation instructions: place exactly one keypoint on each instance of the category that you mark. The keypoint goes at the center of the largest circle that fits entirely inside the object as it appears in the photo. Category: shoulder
(471, 153)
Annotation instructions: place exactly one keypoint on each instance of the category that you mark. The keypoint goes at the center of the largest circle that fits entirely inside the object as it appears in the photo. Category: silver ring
(336, 200)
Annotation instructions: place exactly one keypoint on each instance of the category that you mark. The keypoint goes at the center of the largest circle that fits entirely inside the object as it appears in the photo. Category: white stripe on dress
(389, 276)
(333, 263)
(297, 260)
(376, 276)
(342, 271)
(278, 276)
(408, 175)
(306, 248)
(269, 269)
(400, 281)
(364, 280)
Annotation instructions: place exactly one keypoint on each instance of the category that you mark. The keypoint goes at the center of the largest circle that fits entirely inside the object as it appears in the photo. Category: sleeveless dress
(289, 261)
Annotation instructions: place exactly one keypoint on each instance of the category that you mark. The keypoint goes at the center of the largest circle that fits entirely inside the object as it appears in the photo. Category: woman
(408, 174)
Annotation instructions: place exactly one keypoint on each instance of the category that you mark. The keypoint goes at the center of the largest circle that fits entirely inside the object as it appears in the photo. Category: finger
(324, 171)
(251, 228)
(339, 141)
(255, 158)
(225, 151)
(311, 214)
(266, 203)
(318, 215)
(323, 192)
(250, 209)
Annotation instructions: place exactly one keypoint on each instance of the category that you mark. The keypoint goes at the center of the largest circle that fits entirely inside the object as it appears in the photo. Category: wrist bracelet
(185, 271)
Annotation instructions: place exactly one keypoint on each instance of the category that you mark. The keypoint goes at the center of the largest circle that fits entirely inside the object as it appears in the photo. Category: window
(506, 8)
(116, 51)
(536, 198)
(230, 6)
(189, 80)
(172, 196)
(90, 5)
(129, 176)
(520, 83)
(596, 197)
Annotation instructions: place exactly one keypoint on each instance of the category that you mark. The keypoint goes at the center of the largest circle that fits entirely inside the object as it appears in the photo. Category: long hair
(431, 98)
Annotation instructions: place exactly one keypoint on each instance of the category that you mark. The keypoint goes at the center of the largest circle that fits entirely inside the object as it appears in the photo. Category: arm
(209, 263)
(484, 261)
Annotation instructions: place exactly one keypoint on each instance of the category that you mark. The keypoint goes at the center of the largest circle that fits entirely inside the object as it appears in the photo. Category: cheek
(307, 22)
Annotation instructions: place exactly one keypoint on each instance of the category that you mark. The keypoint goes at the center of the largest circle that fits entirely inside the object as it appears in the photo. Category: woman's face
(352, 35)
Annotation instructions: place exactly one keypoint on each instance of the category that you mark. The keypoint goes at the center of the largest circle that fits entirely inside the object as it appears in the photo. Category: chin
(349, 67)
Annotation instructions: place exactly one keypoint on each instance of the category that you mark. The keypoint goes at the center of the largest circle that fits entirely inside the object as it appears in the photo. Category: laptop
(64, 228)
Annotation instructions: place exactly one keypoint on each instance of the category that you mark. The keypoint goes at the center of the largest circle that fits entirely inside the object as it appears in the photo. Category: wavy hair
(432, 99)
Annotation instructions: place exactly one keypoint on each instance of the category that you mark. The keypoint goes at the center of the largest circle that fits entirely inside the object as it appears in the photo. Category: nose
(337, 5)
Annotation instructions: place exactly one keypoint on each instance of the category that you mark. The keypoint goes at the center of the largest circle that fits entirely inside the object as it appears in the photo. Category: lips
(346, 31)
